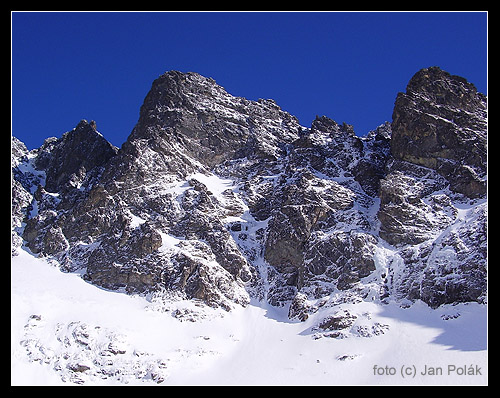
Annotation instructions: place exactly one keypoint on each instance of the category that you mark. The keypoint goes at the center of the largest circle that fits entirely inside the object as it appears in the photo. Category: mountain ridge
(221, 199)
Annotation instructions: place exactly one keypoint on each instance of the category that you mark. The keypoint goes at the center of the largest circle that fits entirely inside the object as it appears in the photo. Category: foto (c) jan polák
(428, 370)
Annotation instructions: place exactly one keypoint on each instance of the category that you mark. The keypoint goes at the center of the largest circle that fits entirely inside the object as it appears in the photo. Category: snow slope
(66, 331)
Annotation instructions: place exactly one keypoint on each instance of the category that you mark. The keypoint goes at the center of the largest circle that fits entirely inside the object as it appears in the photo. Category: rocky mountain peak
(440, 123)
(192, 116)
(73, 155)
(327, 125)
(218, 198)
(443, 88)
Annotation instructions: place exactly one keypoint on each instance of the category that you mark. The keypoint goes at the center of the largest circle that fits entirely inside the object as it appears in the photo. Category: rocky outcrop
(435, 186)
(67, 168)
(440, 123)
(320, 212)
(188, 117)
(69, 159)
(218, 199)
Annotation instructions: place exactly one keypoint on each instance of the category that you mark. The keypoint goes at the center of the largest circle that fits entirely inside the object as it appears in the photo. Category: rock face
(69, 159)
(217, 198)
(440, 123)
(435, 189)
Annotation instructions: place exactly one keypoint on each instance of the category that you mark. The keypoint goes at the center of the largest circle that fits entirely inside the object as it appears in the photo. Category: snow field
(65, 331)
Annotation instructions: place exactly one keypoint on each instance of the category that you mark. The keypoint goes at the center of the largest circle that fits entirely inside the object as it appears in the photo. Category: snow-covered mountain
(216, 203)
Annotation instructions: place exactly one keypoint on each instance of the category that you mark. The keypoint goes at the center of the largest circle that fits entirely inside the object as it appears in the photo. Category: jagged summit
(440, 123)
(219, 199)
(77, 152)
(208, 124)
(446, 89)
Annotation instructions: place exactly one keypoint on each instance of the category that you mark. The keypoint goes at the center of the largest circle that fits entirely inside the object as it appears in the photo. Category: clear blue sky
(347, 66)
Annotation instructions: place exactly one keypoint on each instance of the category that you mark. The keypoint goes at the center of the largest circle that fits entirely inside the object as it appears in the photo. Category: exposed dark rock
(340, 320)
(78, 151)
(440, 123)
(217, 198)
